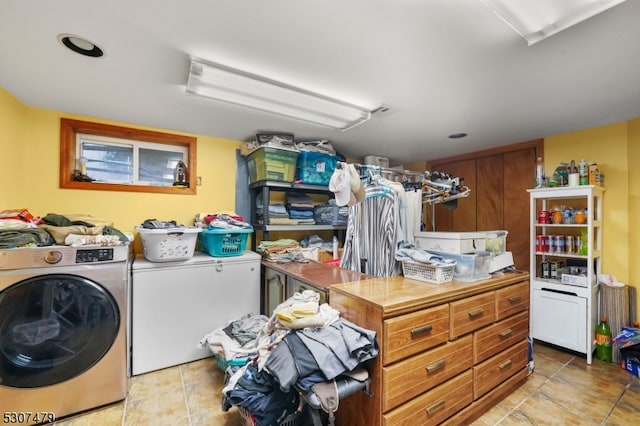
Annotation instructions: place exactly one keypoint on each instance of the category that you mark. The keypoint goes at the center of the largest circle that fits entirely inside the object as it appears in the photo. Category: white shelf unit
(562, 314)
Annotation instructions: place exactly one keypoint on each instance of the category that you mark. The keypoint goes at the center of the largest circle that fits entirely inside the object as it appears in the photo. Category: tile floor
(563, 390)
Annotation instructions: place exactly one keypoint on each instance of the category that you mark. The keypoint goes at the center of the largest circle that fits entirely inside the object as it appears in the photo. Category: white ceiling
(441, 66)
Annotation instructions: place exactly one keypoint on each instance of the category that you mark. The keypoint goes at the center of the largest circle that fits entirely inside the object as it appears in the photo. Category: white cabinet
(565, 312)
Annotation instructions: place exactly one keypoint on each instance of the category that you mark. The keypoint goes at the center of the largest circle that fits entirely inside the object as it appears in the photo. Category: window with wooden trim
(114, 158)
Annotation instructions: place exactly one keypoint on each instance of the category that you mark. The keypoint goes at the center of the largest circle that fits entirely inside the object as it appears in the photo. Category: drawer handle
(505, 364)
(515, 299)
(506, 333)
(421, 330)
(435, 366)
(476, 312)
(435, 407)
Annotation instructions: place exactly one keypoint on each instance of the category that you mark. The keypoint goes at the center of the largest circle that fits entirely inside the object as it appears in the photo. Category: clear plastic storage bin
(469, 267)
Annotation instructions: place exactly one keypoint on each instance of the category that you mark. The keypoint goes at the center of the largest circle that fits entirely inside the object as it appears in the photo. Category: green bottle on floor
(603, 341)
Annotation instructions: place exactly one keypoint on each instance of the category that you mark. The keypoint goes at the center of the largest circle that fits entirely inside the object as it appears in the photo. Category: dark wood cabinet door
(519, 173)
(498, 179)
(462, 218)
(489, 190)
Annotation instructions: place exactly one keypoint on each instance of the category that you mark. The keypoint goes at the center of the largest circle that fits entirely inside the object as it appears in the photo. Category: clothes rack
(436, 187)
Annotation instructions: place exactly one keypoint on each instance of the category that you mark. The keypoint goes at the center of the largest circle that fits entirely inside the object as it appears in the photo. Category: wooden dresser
(448, 352)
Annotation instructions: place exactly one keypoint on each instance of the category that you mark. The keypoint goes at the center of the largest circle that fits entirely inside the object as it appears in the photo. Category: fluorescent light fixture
(536, 20)
(237, 87)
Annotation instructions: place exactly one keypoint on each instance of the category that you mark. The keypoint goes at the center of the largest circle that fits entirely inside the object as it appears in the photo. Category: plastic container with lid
(469, 267)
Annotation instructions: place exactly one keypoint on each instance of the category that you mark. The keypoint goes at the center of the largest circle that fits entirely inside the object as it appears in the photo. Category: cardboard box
(630, 362)
(374, 160)
(628, 342)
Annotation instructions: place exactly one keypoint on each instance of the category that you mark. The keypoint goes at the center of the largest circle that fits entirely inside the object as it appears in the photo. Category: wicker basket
(436, 274)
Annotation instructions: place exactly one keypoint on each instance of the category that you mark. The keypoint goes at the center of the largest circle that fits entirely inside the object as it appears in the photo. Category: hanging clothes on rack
(414, 213)
(370, 239)
(375, 228)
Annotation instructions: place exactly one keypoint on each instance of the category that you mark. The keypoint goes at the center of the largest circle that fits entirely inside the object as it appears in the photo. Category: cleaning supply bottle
(539, 173)
(603, 341)
(583, 172)
(584, 243)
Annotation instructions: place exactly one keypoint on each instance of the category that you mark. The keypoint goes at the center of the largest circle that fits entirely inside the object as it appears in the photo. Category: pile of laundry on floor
(301, 347)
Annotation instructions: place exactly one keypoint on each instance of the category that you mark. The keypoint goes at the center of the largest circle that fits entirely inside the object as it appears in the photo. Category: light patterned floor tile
(563, 390)
(537, 409)
(111, 415)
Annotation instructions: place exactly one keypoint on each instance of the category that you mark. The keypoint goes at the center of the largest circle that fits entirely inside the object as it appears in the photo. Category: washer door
(53, 328)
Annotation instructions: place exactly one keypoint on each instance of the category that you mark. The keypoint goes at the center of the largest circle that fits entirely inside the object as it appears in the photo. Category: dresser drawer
(436, 405)
(494, 371)
(495, 338)
(470, 314)
(405, 379)
(511, 300)
(412, 333)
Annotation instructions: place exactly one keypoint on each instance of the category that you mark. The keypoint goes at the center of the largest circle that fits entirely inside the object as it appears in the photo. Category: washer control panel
(94, 255)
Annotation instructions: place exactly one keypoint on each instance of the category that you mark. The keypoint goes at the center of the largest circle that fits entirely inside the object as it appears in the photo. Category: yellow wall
(29, 141)
(634, 208)
(36, 155)
(614, 148)
(13, 172)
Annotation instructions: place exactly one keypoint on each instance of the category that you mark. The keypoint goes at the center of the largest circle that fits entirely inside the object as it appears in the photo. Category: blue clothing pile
(259, 394)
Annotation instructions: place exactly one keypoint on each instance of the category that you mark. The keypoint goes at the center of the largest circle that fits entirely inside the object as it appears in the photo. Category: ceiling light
(80, 45)
(237, 87)
(457, 135)
(539, 19)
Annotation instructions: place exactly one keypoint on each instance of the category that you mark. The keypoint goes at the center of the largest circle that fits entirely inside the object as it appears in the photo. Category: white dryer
(175, 304)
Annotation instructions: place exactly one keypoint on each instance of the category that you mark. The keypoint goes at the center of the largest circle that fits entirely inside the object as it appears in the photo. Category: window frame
(69, 129)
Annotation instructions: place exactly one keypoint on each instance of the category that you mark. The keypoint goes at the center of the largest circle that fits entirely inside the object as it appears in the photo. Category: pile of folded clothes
(278, 214)
(300, 207)
(284, 250)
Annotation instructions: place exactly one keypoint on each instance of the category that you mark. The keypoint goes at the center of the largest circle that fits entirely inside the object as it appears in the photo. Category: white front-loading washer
(63, 343)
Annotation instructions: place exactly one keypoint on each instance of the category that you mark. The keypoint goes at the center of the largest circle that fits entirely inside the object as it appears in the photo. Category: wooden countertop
(396, 295)
(320, 275)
